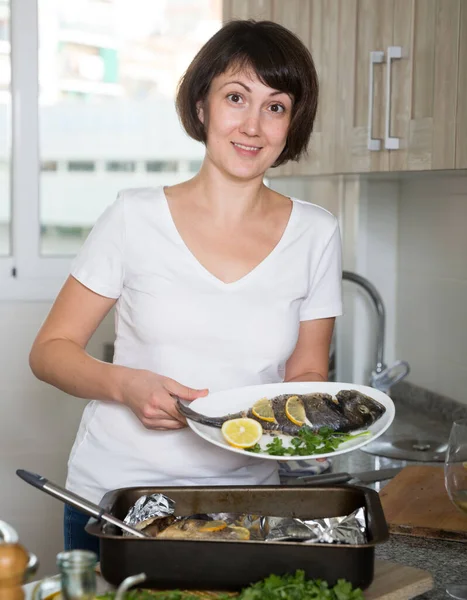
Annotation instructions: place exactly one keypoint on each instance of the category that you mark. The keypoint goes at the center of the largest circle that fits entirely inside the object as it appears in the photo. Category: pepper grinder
(13, 564)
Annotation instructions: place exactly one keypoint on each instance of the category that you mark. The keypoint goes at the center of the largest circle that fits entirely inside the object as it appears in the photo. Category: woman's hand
(151, 398)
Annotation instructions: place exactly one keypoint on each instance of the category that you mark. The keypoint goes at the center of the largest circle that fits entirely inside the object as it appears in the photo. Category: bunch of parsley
(274, 587)
(308, 442)
(297, 587)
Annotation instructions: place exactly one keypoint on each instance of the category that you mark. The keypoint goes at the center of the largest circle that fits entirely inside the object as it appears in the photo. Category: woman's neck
(227, 198)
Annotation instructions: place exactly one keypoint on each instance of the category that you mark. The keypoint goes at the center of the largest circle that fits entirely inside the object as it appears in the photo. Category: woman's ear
(200, 111)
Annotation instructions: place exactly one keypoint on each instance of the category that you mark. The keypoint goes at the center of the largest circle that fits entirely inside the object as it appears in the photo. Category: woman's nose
(251, 124)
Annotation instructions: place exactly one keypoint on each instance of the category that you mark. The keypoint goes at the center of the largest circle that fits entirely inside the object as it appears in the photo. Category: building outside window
(105, 79)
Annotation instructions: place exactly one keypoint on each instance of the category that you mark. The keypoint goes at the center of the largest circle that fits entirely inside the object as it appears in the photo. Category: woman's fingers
(165, 424)
(183, 391)
(163, 407)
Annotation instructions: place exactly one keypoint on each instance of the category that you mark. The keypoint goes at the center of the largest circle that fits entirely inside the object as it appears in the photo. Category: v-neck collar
(205, 271)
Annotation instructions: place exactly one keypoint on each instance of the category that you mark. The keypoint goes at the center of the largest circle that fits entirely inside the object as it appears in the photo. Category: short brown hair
(279, 59)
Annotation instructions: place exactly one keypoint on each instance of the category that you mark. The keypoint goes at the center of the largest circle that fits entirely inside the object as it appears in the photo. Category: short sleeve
(324, 297)
(99, 264)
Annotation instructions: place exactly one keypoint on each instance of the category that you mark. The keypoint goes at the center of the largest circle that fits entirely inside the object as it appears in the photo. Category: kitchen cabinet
(315, 23)
(399, 86)
(424, 98)
(393, 77)
(365, 32)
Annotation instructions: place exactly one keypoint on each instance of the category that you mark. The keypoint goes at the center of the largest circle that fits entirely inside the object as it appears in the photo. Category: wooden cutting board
(397, 582)
(416, 503)
(391, 581)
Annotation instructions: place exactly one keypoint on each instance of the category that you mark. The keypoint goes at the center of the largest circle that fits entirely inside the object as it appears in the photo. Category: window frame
(25, 275)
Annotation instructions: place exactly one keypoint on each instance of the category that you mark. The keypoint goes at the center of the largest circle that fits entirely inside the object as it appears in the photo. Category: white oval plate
(238, 399)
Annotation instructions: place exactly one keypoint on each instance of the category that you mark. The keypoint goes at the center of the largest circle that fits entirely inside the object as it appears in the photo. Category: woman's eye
(236, 98)
(277, 108)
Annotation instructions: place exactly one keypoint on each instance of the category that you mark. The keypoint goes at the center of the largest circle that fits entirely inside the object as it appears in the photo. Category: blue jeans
(73, 530)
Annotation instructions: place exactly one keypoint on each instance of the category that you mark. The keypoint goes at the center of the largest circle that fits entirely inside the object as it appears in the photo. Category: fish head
(359, 408)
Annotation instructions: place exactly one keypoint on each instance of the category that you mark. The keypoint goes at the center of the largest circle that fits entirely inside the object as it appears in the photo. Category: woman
(218, 282)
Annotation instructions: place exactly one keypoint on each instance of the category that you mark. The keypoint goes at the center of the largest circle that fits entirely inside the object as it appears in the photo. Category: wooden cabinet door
(365, 28)
(424, 96)
(315, 22)
(247, 9)
(461, 129)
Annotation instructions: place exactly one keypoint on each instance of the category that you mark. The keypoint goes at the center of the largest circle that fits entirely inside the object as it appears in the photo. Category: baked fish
(196, 529)
(349, 410)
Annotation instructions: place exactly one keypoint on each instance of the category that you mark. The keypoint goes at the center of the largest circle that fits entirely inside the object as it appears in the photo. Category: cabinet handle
(390, 143)
(374, 144)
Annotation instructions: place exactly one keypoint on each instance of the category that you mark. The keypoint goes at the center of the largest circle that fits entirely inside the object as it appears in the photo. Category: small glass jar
(78, 574)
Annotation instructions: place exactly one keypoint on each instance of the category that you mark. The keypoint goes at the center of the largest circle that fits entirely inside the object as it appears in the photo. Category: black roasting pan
(228, 565)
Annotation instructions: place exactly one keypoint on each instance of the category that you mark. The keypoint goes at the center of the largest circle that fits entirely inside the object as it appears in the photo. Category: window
(81, 165)
(161, 166)
(120, 165)
(195, 165)
(97, 115)
(5, 130)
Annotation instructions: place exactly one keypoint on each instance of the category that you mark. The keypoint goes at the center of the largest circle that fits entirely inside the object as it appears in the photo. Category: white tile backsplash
(431, 324)
(38, 424)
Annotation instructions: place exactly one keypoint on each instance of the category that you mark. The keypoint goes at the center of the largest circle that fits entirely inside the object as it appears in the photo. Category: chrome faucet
(382, 377)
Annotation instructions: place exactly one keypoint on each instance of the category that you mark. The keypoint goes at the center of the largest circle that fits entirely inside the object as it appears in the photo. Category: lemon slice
(213, 526)
(295, 410)
(242, 433)
(262, 409)
(241, 533)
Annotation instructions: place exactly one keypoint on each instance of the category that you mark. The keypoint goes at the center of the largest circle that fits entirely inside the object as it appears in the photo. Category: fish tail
(191, 414)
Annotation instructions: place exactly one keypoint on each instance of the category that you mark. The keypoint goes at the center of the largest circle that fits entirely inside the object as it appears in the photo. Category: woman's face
(246, 123)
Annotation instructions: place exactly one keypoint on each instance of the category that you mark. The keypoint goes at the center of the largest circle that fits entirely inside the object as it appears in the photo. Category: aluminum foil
(156, 512)
(151, 509)
(347, 529)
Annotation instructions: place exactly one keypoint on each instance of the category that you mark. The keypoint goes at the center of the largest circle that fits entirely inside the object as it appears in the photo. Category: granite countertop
(427, 418)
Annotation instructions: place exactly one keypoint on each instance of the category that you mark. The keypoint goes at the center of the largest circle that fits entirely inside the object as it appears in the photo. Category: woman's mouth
(246, 150)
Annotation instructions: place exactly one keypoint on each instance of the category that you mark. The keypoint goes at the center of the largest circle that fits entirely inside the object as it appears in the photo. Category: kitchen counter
(446, 561)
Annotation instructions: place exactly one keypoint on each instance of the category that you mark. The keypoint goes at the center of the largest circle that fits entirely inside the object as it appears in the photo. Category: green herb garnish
(274, 587)
(307, 442)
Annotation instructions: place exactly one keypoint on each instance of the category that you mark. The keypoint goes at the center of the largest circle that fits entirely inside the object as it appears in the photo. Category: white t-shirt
(177, 319)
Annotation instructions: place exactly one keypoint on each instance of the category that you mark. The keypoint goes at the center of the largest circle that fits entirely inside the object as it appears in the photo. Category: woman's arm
(58, 357)
(310, 359)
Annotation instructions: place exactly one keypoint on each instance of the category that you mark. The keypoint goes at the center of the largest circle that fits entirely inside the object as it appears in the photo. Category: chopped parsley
(308, 442)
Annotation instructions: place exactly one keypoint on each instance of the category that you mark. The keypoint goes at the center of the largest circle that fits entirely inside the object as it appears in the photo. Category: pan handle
(77, 501)
(323, 479)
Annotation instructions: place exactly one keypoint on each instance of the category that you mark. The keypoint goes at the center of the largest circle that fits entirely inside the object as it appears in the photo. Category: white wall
(37, 428)
(408, 235)
(432, 281)
(375, 254)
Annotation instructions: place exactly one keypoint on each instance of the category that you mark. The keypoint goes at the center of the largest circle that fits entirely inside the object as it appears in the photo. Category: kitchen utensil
(455, 479)
(74, 500)
(200, 564)
(235, 400)
(416, 503)
(357, 478)
(13, 564)
(8, 536)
